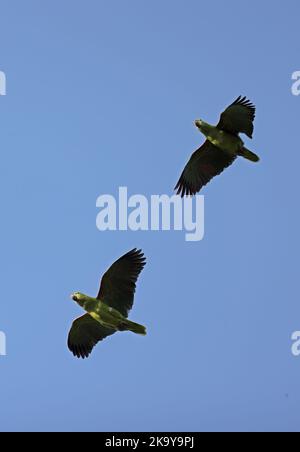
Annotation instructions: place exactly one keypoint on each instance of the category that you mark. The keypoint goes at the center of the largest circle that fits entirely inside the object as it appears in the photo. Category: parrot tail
(249, 155)
(136, 328)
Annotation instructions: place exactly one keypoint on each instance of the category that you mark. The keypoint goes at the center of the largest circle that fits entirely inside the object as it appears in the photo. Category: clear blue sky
(102, 94)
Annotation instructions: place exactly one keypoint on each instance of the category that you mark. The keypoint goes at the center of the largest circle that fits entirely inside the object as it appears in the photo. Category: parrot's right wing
(85, 334)
(238, 117)
(118, 285)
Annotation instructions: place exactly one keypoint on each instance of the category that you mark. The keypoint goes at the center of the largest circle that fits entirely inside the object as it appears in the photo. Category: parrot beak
(74, 297)
(198, 123)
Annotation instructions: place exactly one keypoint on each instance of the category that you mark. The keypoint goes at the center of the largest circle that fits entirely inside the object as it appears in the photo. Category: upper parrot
(222, 146)
(108, 313)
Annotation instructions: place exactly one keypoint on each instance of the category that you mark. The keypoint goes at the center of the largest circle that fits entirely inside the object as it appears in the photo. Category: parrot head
(201, 125)
(79, 298)
(198, 123)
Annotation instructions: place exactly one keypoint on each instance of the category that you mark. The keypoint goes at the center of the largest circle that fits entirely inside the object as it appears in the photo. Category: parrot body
(222, 147)
(221, 139)
(107, 316)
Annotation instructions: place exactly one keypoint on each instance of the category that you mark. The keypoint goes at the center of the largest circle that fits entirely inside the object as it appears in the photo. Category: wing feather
(85, 334)
(206, 163)
(238, 117)
(118, 284)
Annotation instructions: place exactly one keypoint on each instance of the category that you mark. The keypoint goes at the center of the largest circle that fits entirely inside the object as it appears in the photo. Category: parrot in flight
(107, 314)
(221, 148)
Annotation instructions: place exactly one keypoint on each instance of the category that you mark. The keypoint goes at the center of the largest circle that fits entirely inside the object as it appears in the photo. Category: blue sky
(103, 94)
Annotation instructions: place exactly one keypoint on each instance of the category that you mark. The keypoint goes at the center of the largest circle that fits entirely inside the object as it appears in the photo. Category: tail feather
(136, 328)
(249, 155)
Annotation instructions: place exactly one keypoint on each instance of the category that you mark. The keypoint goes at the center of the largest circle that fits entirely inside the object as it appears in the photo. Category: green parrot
(108, 313)
(221, 148)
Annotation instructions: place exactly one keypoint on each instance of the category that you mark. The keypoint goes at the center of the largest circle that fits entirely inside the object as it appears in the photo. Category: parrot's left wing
(85, 334)
(118, 285)
(206, 163)
(238, 117)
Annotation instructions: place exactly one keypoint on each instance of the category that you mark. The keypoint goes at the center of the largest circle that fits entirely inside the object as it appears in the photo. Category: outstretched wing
(85, 334)
(206, 163)
(238, 117)
(118, 285)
